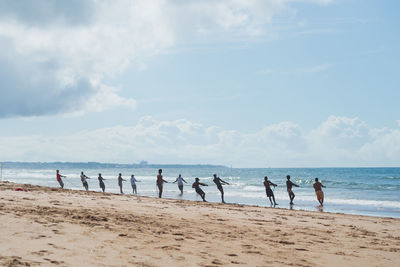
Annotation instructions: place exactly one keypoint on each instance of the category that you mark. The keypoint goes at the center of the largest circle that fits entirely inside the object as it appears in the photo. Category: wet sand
(48, 226)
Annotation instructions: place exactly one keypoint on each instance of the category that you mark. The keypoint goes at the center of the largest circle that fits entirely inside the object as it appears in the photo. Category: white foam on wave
(253, 188)
(364, 202)
(28, 174)
(257, 192)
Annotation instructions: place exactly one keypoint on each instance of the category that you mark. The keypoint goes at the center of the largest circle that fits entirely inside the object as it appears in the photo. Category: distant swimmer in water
(101, 183)
(289, 185)
(318, 191)
(160, 182)
(180, 181)
(84, 182)
(120, 180)
(59, 180)
(268, 190)
(133, 184)
(219, 182)
(196, 186)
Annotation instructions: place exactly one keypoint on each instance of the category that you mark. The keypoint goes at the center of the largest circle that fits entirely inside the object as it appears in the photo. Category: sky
(255, 83)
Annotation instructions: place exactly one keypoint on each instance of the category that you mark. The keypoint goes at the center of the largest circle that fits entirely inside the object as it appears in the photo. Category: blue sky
(243, 83)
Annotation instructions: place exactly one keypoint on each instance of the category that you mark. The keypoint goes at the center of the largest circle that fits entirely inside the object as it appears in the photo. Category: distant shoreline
(94, 165)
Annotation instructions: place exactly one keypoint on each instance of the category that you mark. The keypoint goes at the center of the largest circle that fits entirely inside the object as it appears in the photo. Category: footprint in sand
(40, 236)
(53, 261)
(286, 242)
(41, 252)
(252, 252)
(217, 262)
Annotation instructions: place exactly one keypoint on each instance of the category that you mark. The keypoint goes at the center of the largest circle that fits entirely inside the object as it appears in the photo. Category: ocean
(363, 191)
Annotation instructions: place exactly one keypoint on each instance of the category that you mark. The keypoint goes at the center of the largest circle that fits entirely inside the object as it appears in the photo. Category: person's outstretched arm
(165, 181)
(184, 181)
(223, 181)
(203, 184)
(323, 186)
(295, 185)
(273, 184)
(175, 180)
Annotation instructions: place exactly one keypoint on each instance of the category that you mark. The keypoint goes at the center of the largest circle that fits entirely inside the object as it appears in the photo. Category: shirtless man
(196, 186)
(180, 181)
(219, 182)
(318, 191)
(289, 185)
(268, 190)
(101, 182)
(160, 182)
(84, 182)
(59, 180)
(120, 180)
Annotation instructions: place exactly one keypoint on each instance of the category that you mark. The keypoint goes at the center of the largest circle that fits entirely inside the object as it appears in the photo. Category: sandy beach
(48, 226)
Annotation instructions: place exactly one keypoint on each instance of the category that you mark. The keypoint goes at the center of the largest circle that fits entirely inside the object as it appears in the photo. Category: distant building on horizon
(143, 163)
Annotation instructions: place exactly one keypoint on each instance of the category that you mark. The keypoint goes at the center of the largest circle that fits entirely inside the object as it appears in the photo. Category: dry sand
(47, 226)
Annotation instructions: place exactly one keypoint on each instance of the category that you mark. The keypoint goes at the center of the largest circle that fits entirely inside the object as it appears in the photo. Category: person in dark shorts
(180, 181)
(219, 182)
(101, 183)
(268, 190)
(84, 181)
(318, 191)
(196, 186)
(160, 182)
(59, 180)
(289, 185)
(120, 180)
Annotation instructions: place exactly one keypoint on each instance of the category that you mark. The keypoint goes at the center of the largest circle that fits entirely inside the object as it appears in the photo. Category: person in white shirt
(180, 181)
(133, 183)
(84, 182)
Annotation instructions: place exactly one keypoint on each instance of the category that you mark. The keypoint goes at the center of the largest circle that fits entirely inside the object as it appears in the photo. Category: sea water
(364, 191)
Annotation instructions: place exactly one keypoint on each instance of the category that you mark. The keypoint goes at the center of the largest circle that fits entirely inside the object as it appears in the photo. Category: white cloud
(296, 71)
(58, 49)
(314, 69)
(339, 141)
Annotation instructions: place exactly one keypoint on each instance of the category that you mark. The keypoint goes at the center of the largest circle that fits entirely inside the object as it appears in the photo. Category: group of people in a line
(85, 184)
(196, 185)
(289, 187)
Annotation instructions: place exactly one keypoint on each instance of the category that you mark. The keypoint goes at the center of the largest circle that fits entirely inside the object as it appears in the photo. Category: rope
(70, 182)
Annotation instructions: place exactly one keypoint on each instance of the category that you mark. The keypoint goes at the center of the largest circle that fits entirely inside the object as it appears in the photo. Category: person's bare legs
(203, 196)
(273, 197)
(160, 191)
(291, 196)
(222, 194)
